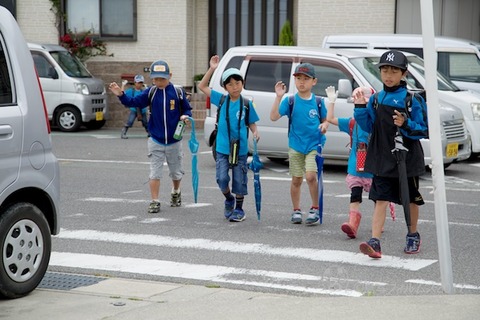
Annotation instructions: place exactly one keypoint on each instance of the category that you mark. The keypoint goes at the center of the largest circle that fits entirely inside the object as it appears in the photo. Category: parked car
(457, 59)
(29, 174)
(263, 66)
(73, 96)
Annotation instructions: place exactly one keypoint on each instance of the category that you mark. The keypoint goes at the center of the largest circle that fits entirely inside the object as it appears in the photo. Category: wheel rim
(67, 120)
(23, 250)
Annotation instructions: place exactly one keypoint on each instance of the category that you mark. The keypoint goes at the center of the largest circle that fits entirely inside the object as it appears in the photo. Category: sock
(315, 208)
(175, 190)
(228, 196)
(239, 203)
(296, 209)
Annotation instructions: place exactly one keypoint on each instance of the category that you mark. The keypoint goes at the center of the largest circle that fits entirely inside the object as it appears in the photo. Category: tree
(286, 35)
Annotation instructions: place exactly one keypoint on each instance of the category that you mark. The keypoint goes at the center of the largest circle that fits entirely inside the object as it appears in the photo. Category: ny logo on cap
(391, 57)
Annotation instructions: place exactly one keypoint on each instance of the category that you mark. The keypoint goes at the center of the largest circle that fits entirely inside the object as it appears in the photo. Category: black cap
(393, 58)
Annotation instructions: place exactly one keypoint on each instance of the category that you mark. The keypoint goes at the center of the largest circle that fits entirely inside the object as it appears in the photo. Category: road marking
(216, 274)
(334, 256)
(104, 161)
(125, 218)
(432, 283)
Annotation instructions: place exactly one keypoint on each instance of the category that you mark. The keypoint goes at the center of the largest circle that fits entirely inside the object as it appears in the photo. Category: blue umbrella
(255, 165)
(193, 144)
(319, 160)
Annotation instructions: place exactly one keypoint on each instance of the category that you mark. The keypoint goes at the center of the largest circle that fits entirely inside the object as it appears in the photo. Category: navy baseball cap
(306, 69)
(159, 69)
(393, 58)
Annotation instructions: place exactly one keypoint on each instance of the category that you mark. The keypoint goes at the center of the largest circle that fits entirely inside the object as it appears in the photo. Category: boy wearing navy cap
(307, 119)
(382, 117)
(167, 108)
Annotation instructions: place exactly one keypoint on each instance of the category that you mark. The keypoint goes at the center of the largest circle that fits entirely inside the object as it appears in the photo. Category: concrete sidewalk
(122, 299)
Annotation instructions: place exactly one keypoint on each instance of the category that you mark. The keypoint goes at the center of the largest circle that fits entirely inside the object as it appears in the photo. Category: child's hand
(331, 94)
(214, 60)
(280, 89)
(115, 89)
(398, 118)
(323, 127)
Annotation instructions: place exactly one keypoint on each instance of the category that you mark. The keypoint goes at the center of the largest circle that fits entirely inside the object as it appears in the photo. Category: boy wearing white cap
(234, 121)
(135, 113)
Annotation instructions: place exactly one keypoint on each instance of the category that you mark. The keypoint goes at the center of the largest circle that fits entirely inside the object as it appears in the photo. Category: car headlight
(82, 88)
(475, 110)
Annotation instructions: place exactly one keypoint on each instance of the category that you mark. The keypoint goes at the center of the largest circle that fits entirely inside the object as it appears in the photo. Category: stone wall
(117, 113)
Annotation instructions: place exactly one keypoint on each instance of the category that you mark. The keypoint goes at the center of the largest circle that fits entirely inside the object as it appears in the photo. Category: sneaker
(238, 215)
(371, 248)
(313, 217)
(296, 217)
(413, 243)
(176, 199)
(124, 134)
(229, 204)
(154, 207)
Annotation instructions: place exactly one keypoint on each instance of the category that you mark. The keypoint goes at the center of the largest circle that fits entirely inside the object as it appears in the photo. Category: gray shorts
(172, 153)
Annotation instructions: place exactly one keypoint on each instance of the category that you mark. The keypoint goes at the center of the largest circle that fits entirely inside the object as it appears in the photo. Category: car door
(11, 130)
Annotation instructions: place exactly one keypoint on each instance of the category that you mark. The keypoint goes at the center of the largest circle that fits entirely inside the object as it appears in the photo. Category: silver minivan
(73, 96)
(29, 172)
(263, 66)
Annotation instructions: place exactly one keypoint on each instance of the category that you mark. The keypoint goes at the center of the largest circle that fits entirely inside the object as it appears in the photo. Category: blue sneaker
(296, 217)
(313, 217)
(238, 215)
(371, 248)
(413, 243)
(229, 204)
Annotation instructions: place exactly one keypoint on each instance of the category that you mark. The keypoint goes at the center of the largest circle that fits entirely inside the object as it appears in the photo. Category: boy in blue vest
(307, 118)
(166, 110)
(135, 113)
(233, 126)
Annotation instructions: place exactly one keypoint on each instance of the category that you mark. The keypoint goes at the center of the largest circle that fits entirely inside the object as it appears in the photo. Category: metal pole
(440, 203)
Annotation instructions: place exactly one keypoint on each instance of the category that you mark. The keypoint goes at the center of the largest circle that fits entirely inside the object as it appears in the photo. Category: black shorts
(387, 189)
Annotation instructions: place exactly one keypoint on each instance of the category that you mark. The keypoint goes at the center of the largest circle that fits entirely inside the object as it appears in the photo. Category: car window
(234, 62)
(6, 96)
(262, 75)
(328, 75)
(460, 66)
(44, 68)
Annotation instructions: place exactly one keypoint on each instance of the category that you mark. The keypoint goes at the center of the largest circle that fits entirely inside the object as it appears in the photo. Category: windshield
(367, 67)
(70, 64)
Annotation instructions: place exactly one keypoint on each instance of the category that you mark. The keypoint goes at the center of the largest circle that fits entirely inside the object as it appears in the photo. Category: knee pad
(356, 194)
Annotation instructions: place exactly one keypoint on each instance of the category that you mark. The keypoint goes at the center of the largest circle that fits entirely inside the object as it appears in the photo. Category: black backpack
(178, 89)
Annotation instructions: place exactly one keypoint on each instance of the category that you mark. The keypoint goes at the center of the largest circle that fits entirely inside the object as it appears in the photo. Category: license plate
(99, 115)
(452, 150)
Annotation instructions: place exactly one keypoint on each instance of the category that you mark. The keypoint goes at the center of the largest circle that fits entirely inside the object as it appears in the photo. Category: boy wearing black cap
(307, 118)
(382, 117)
(233, 126)
(166, 109)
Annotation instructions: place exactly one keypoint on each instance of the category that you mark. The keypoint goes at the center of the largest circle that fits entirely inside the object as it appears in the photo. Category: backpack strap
(246, 103)
(351, 124)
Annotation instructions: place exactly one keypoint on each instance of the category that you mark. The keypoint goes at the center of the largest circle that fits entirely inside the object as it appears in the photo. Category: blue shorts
(239, 174)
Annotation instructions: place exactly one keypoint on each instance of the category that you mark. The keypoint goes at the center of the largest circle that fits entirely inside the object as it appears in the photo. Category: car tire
(68, 119)
(25, 249)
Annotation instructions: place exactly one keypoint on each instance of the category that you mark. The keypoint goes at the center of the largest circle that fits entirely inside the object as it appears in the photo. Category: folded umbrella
(193, 145)
(319, 160)
(400, 153)
(255, 165)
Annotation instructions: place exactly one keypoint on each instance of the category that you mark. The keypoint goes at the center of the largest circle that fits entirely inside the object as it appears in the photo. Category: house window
(108, 19)
(246, 22)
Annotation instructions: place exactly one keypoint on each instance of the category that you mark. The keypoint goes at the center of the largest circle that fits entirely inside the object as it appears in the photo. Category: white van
(73, 96)
(29, 174)
(458, 59)
(263, 66)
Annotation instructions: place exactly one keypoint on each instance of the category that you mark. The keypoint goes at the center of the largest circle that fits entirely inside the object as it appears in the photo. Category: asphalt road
(106, 229)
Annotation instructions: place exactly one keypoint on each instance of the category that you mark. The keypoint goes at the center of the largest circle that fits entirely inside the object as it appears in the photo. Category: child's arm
(280, 90)
(253, 128)
(332, 97)
(203, 85)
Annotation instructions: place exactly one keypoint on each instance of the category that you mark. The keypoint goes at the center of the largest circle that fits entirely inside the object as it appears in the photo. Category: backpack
(291, 100)
(246, 103)
(178, 89)
(419, 95)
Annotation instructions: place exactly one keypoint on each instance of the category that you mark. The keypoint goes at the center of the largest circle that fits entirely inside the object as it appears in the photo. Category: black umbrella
(400, 153)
